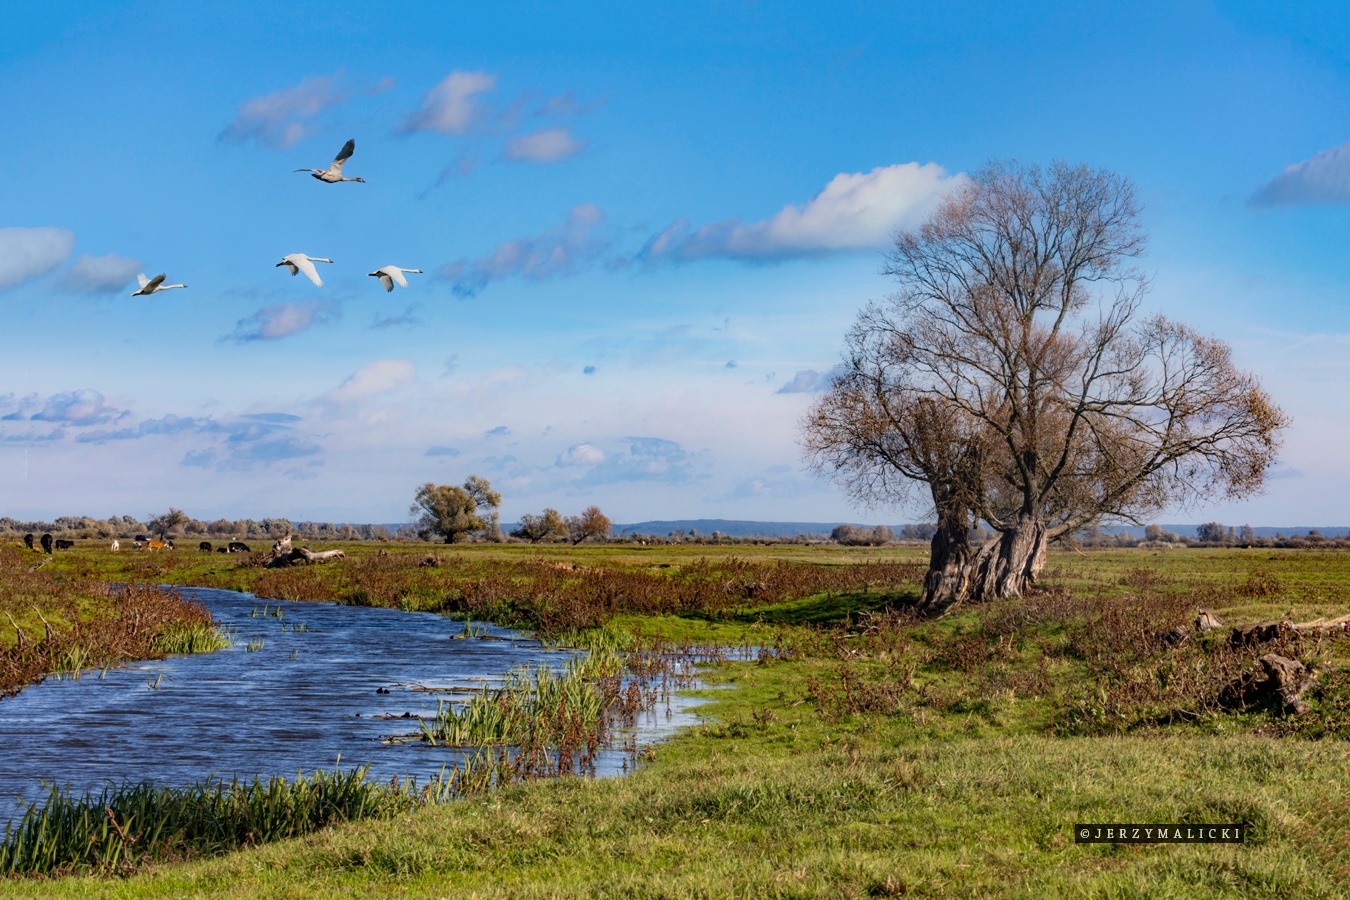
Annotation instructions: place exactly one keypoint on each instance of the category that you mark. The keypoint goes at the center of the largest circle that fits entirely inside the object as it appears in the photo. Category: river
(303, 686)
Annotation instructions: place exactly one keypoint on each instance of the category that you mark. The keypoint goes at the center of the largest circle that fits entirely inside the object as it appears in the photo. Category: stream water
(302, 686)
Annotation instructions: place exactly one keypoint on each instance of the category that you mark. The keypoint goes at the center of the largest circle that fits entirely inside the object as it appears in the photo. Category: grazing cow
(221, 550)
(46, 543)
(114, 546)
(62, 544)
(204, 546)
(158, 545)
(28, 540)
(239, 547)
(141, 539)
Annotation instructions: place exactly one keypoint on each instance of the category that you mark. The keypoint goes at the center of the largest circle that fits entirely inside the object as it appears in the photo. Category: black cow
(141, 539)
(204, 546)
(221, 550)
(46, 543)
(239, 547)
(28, 540)
(62, 544)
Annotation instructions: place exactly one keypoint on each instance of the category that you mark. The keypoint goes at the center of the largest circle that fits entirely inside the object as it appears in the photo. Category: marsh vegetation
(859, 750)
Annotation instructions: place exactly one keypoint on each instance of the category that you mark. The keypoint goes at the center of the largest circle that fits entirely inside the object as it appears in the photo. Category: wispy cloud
(169, 424)
(441, 451)
(100, 274)
(451, 106)
(284, 117)
(26, 253)
(1322, 179)
(82, 407)
(560, 251)
(406, 319)
(374, 378)
(547, 146)
(854, 211)
(244, 456)
(272, 323)
(810, 381)
(642, 459)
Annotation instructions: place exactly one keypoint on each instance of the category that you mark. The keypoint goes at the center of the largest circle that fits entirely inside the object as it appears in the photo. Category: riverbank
(870, 755)
(58, 621)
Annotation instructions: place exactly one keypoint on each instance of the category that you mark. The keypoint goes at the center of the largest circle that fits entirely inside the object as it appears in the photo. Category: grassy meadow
(856, 751)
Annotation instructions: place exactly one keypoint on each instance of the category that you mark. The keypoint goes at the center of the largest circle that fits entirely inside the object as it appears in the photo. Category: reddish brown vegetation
(61, 624)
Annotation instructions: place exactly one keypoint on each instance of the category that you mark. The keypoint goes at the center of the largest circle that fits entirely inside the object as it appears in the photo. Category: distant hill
(733, 527)
(746, 528)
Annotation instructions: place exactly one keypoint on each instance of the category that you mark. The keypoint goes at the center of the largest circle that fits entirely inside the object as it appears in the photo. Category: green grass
(860, 752)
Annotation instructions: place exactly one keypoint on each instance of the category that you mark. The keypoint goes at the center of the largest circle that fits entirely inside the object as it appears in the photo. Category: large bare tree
(1013, 376)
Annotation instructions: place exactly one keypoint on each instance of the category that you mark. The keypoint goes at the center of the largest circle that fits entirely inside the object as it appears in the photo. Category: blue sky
(644, 231)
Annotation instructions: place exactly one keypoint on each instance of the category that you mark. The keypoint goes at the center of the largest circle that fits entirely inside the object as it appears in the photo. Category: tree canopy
(591, 523)
(1014, 376)
(453, 511)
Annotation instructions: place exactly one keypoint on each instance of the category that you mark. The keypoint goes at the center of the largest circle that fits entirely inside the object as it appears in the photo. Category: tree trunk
(1005, 567)
(1008, 566)
(948, 578)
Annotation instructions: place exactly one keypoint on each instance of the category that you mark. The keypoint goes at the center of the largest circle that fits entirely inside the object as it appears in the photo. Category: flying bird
(150, 285)
(390, 274)
(334, 172)
(299, 262)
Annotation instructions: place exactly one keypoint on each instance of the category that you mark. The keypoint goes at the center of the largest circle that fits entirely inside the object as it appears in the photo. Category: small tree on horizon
(541, 527)
(163, 524)
(591, 523)
(452, 511)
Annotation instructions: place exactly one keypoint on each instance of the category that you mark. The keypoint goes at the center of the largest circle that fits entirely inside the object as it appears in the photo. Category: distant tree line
(90, 528)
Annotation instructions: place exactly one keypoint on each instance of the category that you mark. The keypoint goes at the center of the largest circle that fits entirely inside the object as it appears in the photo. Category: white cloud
(1325, 178)
(581, 455)
(549, 145)
(282, 118)
(559, 251)
(810, 381)
(449, 107)
(101, 274)
(26, 253)
(854, 211)
(379, 377)
(282, 320)
(82, 407)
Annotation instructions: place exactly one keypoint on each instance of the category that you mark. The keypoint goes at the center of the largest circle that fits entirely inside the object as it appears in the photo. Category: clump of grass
(545, 722)
(191, 637)
(127, 826)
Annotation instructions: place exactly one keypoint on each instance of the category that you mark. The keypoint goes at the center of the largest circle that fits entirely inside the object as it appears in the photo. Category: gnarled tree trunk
(1004, 567)
(949, 566)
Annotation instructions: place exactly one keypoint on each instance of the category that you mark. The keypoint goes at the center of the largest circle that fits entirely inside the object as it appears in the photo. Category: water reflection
(303, 685)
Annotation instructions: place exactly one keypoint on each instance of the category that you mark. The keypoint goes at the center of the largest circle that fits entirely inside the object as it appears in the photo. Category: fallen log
(303, 556)
(1265, 632)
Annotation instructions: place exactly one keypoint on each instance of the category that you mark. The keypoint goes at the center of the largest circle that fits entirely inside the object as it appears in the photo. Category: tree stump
(1279, 682)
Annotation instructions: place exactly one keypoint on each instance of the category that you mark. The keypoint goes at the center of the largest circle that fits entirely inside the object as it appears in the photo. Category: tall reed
(125, 827)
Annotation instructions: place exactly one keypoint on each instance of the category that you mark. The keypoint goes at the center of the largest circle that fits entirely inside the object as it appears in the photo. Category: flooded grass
(125, 828)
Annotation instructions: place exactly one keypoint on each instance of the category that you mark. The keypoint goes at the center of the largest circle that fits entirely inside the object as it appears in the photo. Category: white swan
(334, 172)
(390, 274)
(299, 262)
(150, 285)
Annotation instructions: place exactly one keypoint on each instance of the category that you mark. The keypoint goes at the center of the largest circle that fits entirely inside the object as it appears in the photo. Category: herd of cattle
(141, 542)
